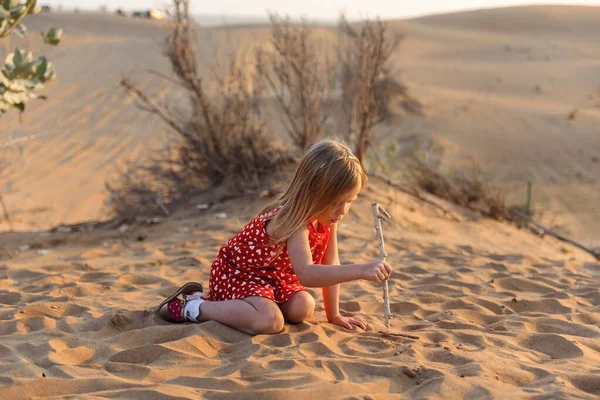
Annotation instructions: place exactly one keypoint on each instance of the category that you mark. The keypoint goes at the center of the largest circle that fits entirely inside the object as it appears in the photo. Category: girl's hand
(377, 271)
(349, 322)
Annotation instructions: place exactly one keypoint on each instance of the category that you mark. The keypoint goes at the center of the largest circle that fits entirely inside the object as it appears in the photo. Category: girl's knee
(268, 323)
(298, 316)
(301, 310)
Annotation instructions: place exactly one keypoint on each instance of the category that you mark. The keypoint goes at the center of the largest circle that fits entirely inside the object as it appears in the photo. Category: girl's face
(339, 210)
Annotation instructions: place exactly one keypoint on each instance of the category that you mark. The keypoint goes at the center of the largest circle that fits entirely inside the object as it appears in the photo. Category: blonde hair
(326, 172)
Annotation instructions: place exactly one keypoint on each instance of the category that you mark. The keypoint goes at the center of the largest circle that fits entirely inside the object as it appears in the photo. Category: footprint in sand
(404, 308)
(553, 345)
(97, 277)
(350, 306)
(594, 267)
(53, 310)
(140, 279)
(120, 321)
(586, 382)
(5, 352)
(367, 346)
(10, 298)
(64, 354)
(523, 285)
(446, 357)
(549, 306)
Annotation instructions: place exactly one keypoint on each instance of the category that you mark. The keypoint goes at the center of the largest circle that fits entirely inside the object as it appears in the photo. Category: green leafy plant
(23, 75)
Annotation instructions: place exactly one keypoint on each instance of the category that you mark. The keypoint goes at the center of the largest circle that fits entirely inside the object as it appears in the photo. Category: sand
(480, 309)
(491, 311)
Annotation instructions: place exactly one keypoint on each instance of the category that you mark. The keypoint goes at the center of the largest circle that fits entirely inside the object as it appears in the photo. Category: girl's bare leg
(298, 308)
(254, 315)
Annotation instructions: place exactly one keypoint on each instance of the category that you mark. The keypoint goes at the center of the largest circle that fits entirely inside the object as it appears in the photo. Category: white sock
(192, 310)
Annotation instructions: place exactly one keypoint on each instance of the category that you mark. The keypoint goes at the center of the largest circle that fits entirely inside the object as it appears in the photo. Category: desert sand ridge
(525, 19)
(497, 85)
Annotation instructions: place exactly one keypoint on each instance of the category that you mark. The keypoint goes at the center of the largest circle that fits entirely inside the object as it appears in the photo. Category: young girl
(259, 278)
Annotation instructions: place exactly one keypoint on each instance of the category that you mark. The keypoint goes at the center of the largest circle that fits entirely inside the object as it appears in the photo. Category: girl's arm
(331, 294)
(319, 275)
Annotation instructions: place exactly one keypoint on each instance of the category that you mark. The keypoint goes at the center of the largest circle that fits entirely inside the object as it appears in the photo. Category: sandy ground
(491, 311)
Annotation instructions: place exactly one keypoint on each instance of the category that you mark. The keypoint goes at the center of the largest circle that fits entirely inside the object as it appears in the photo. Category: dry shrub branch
(468, 188)
(225, 138)
(300, 77)
(364, 55)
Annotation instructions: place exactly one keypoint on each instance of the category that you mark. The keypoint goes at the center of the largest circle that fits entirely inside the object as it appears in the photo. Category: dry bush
(300, 77)
(389, 90)
(141, 187)
(5, 186)
(133, 193)
(363, 57)
(468, 189)
(5, 213)
(229, 139)
(225, 139)
(308, 87)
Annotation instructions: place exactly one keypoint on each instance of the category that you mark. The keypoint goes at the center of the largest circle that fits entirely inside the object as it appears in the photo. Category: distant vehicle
(123, 13)
(151, 14)
(46, 9)
(157, 15)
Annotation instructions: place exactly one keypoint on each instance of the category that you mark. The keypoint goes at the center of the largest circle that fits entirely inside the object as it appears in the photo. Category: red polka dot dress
(248, 265)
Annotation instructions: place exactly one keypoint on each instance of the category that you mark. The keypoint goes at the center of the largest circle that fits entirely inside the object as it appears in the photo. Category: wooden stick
(162, 206)
(379, 213)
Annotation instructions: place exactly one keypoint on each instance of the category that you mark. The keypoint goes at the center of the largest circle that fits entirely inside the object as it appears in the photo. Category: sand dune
(558, 20)
(494, 312)
(497, 86)
(480, 309)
